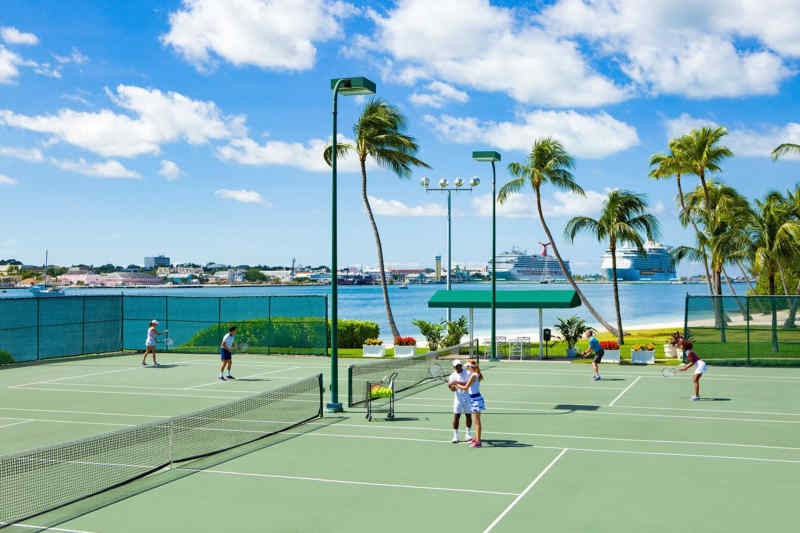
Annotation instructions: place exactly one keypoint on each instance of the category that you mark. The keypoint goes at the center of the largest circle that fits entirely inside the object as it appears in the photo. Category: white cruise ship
(655, 265)
(522, 266)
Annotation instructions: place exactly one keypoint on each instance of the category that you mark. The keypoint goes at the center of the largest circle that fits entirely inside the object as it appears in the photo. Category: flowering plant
(405, 341)
(373, 342)
(609, 345)
(644, 347)
(676, 339)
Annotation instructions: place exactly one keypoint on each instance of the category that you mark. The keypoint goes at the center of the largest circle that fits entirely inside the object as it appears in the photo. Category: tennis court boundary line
(45, 528)
(626, 389)
(351, 482)
(524, 492)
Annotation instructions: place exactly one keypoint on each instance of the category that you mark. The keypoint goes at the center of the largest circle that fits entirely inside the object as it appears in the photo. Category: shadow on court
(505, 443)
(715, 399)
(575, 407)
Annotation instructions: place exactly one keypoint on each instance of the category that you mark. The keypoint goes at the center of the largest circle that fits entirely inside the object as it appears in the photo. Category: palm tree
(784, 149)
(379, 135)
(622, 221)
(674, 164)
(702, 153)
(548, 162)
(775, 239)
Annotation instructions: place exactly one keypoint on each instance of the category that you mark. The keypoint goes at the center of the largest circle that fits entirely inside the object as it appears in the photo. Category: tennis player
(596, 349)
(477, 404)
(150, 342)
(693, 359)
(226, 353)
(461, 401)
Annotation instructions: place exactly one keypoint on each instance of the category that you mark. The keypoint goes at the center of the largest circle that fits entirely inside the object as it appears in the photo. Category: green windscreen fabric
(469, 299)
(757, 330)
(47, 327)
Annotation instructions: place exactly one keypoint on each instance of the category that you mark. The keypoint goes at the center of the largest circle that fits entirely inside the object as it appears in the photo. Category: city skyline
(179, 139)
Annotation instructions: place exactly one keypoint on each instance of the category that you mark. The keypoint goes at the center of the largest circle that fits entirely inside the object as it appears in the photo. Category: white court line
(45, 528)
(624, 391)
(713, 376)
(348, 482)
(524, 492)
(245, 377)
(131, 393)
(78, 376)
(23, 421)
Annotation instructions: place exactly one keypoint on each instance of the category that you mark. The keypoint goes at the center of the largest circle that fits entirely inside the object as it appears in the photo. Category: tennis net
(41, 480)
(412, 373)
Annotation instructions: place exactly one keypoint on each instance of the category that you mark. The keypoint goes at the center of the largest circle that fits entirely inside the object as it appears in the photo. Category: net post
(350, 386)
(747, 327)
(166, 320)
(321, 396)
(269, 322)
(83, 324)
(171, 443)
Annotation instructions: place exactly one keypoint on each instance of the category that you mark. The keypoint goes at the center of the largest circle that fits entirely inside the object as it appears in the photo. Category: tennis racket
(243, 347)
(671, 371)
(168, 341)
(438, 373)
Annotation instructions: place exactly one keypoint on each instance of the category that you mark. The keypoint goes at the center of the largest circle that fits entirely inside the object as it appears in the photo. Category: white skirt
(701, 367)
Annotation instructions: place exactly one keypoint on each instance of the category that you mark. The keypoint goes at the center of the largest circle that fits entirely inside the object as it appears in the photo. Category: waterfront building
(157, 261)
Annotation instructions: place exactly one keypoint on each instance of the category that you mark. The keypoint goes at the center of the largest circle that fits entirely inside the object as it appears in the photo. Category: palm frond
(341, 150)
(785, 149)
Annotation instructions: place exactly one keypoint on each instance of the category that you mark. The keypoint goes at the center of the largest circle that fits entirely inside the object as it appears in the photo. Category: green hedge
(292, 335)
(5, 357)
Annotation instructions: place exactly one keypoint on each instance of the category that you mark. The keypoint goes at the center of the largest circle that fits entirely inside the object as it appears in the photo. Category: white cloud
(47, 70)
(438, 94)
(686, 48)
(12, 35)
(742, 141)
(490, 48)
(105, 169)
(561, 204)
(74, 57)
(276, 34)
(157, 118)
(396, 208)
(584, 135)
(5, 180)
(241, 195)
(32, 155)
(170, 170)
(306, 155)
(9, 65)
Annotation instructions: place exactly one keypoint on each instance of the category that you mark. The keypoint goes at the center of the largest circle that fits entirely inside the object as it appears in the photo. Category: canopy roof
(480, 299)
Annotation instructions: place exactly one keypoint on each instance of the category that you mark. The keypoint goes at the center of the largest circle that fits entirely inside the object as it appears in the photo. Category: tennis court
(561, 453)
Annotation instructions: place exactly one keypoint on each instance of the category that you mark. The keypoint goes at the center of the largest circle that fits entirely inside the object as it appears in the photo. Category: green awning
(480, 299)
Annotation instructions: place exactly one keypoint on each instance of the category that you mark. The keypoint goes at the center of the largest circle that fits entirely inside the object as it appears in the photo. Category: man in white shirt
(461, 401)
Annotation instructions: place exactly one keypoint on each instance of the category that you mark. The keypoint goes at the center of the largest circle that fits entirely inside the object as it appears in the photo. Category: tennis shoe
(222, 378)
(468, 436)
(454, 440)
(230, 377)
(595, 378)
(475, 444)
(144, 363)
(694, 398)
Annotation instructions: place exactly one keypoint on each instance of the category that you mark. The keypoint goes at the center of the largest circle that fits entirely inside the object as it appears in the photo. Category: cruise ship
(656, 265)
(522, 266)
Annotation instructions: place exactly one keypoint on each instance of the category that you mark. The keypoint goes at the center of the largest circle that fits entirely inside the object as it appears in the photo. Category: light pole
(346, 86)
(492, 157)
(459, 187)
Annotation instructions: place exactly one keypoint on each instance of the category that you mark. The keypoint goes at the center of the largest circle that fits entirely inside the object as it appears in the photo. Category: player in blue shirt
(596, 349)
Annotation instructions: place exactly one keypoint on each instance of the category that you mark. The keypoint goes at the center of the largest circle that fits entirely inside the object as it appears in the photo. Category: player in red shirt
(693, 359)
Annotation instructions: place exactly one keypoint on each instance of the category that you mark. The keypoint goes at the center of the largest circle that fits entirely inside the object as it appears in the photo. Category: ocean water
(642, 304)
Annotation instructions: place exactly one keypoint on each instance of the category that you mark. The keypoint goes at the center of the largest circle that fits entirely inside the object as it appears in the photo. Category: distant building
(438, 270)
(162, 272)
(157, 261)
(229, 276)
(124, 279)
(215, 266)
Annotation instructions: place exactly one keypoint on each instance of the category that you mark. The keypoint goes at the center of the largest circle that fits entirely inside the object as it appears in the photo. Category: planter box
(405, 351)
(372, 350)
(572, 353)
(611, 356)
(670, 351)
(643, 357)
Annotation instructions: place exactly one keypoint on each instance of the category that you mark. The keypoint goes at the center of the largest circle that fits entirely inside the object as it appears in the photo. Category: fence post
(122, 322)
(327, 329)
(269, 322)
(685, 323)
(219, 319)
(38, 328)
(747, 328)
(83, 324)
(166, 322)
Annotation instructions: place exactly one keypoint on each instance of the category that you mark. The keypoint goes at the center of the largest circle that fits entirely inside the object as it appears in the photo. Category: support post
(471, 330)
(541, 334)
(494, 267)
(449, 247)
(747, 327)
(334, 405)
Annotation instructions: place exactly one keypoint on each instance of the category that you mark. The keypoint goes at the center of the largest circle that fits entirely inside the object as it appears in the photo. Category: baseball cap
(457, 362)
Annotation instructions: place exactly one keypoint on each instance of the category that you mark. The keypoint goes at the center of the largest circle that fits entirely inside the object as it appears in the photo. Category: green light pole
(459, 183)
(492, 157)
(346, 86)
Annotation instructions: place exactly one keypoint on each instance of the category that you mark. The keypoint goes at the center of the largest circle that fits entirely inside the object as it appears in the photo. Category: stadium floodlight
(475, 181)
(459, 182)
(346, 86)
(425, 182)
(443, 183)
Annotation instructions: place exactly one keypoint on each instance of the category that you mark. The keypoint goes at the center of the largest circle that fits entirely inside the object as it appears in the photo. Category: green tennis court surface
(561, 453)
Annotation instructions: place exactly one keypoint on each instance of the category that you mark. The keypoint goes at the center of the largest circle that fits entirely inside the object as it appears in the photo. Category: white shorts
(462, 404)
(149, 343)
(701, 367)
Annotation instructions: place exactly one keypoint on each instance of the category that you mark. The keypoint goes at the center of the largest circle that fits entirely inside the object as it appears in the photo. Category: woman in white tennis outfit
(477, 404)
(150, 342)
(693, 359)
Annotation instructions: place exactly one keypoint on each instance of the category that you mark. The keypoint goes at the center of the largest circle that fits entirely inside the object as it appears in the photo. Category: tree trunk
(620, 334)
(719, 305)
(708, 207)
(697, 232)
(783, 280)
(733, 292)
(750, 286)
(567, 275)
(774, 313)
(392, 325)
(790, 320)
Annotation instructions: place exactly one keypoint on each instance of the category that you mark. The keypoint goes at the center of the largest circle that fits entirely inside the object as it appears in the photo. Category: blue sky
(194, 128)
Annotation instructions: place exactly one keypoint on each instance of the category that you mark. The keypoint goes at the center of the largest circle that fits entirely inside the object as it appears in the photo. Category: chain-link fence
(757, 330)
(40, 328)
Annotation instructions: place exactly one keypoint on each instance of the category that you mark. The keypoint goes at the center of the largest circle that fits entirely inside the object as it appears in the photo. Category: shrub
(572, 329)
(353, 333)
(5, 357)
(432, 333)
(455, 330)
(373, 342)
(609, 345)
(405, 341)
